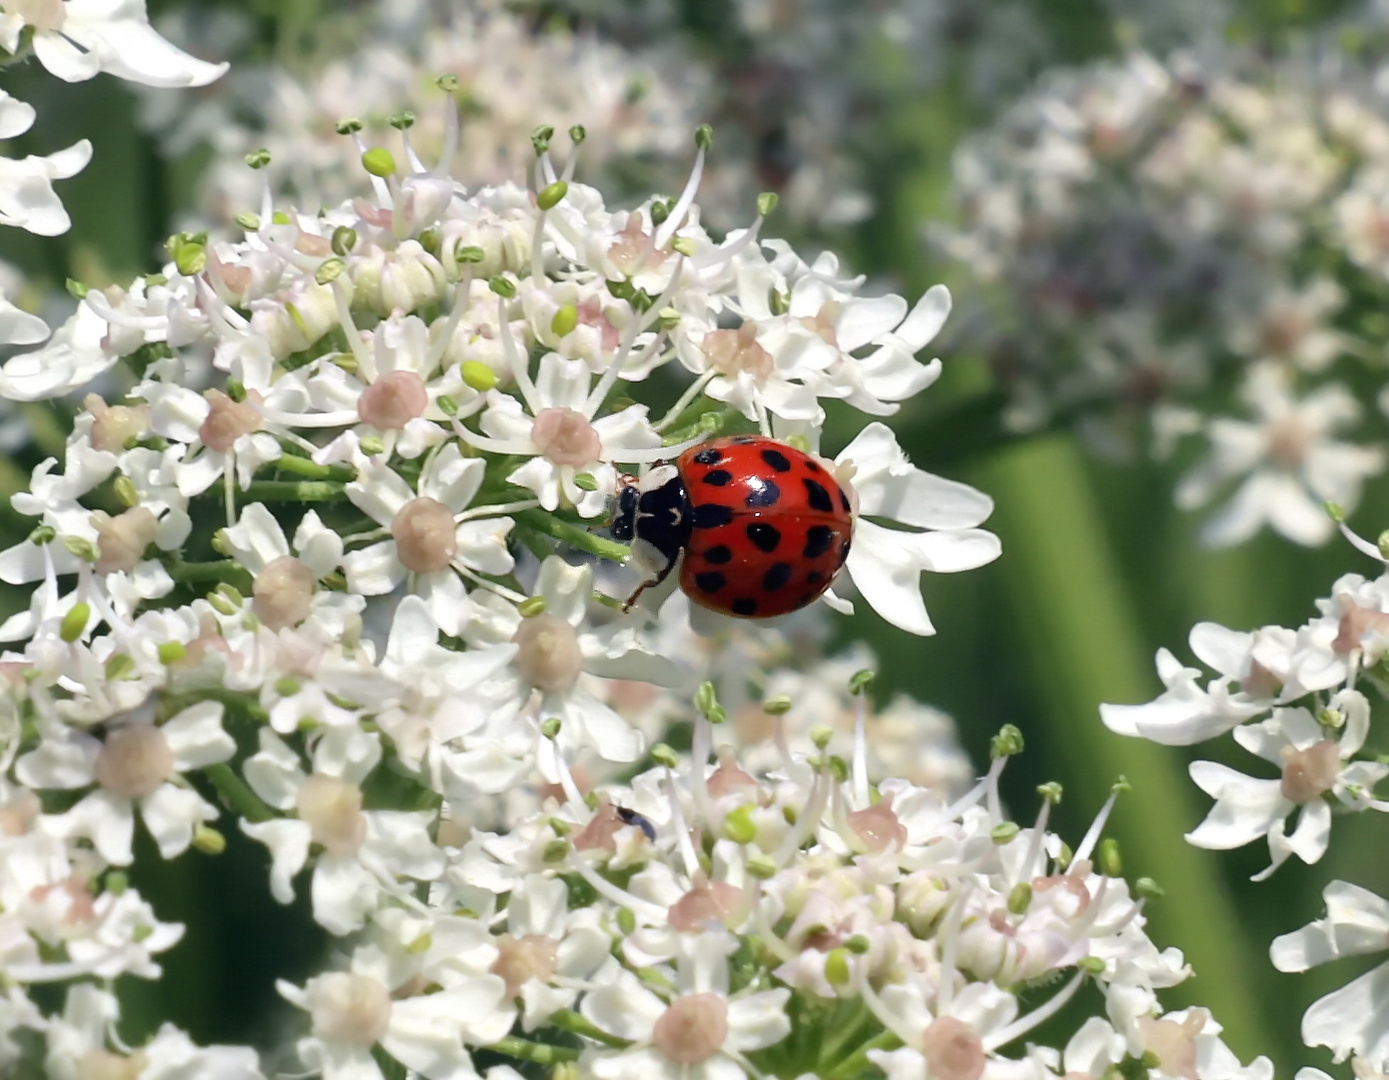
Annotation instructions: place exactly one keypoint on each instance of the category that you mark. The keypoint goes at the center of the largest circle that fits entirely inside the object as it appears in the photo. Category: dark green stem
(236, 794)
(294, 491)
(540, 1053)
(573, 535)
(851, 1028)
(186, 573)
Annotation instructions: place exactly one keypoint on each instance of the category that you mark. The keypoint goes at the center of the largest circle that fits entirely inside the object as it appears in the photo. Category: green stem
(313, 470)
(573, 535)
(568, 1020)
(856, 1062)
(848, 1030)
(295, 491)
(237, 794)
(709, 423)
(540, 1053)
(185, 573)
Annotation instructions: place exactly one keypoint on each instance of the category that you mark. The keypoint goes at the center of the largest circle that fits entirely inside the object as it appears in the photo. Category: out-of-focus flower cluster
(1298, 699)
(1183, 250)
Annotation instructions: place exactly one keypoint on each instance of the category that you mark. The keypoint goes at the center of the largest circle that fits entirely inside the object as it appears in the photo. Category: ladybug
(762, 527)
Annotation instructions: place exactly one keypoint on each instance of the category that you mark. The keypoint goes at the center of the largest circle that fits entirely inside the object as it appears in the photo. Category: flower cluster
(375, 549)
(1184, 251)
(1297, 699)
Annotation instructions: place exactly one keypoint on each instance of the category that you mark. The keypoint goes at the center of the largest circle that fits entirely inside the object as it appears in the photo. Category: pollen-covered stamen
(532, 956)
(115, 425)
(1309, 774)
(351, 1008)
(952, 1049)
(566, 437)
(228, 420)
(134, 761)
(692, 1030)
(332, 808)
(121, 540)
(426, 538)
(1173, 1043)
(283, 593)
(733, 352)
(549, 657)
(878, 828)
(393, 400)
(706, 902)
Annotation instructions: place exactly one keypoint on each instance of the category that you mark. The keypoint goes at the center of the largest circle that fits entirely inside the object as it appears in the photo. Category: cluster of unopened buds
(1194, 251)
(1297, 699)
(375, 550)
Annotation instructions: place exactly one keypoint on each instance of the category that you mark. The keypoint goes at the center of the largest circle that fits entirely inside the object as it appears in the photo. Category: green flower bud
(258, 159)
(420, 945)
(1110, 863)
(626, 921)
(469, 253)
(800, 442)
(565, 320)
(287, 686)
(837, 967)
(1020, 898)
(1006, 743)
(1094, 966)
(555, 851)
(777, 705)
(209, 841)
(83, 548)
(820, 736)
(551, 194)
(682, 244)
(532, 605)
(704, 137)
(1004, 832)
(861, 681)
(191, 259)
(760, 867)
(447, 83)
(402, 121)
(171, 652)
(766, 203)
(662, 754)
(478, 375)
(1147, 888)
(577, 134)
(120, 666)
(125, 491)
(585, 481)
(447, 405)
(549, 727)
(236, 390)
(1050, 791)
(379, 162)
(248, 221)
(44, 534)
(503, 287)
(348, 126)
(738, 825)
(778, 302)
(540, 138)
(279, 217)
(76, 289)
(372, 444)
(74, 622)
(117, 882)
(329, 270)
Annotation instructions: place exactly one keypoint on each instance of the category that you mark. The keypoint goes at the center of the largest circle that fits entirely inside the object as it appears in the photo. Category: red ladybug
(762, 526)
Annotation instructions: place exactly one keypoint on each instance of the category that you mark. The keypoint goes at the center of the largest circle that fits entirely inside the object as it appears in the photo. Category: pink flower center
(228, 420)
(709, 901)
(332, 808)
(115, 425)
(565, 437)
(733, 351)
(549, 657)
(1173, 1043)
(283, 593)
(350, 1008)
(878, 828)
(533, 956)
(426, 538)
(393, 400)
(121, 540)
(952, 1050)
(692, 1030)
(1309, 774)
(134, 761)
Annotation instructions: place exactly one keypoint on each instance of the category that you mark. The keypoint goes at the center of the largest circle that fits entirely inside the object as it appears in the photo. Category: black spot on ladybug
(777, 576)
(716, 477)
(708, 456)
(743, 440)
(764, 537)
(710, 516)
(818, 539)
(777, 460)
(710, 581)
(719, 554)
(812, 466)
(814, 577)
(631, 817)
(745, 605)
(818, 497)
(844, 502)
(762, 493)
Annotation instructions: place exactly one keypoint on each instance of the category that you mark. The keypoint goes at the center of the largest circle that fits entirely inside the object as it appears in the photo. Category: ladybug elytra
(762, 526)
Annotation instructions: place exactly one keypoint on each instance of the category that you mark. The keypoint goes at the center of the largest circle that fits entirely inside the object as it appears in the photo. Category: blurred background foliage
(1098, 571)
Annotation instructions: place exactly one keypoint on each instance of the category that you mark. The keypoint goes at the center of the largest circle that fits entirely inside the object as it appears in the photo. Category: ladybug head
(624, 514)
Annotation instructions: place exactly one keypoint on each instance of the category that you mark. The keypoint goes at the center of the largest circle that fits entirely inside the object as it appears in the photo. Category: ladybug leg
(650, 584)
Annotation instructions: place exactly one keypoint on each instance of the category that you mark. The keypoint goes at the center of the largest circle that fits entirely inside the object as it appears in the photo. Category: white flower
(1355, 1018)
(133, 764)
(1294, 467)
(75, 39)
(1313, 766)
(701, 1033)
(886, 564)
(435, 538)
(27, 198)
(364, 852)
(1253, 668)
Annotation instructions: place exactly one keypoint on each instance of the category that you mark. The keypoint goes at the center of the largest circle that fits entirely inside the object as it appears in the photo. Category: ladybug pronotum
(763, 528)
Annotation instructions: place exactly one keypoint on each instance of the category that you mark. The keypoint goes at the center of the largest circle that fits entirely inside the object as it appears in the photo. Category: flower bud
(122, 540)
(548, 658)
(566, 437)
(228, 420)
(692, 1029)
(114, 426)
(393, 400)
(134, 761)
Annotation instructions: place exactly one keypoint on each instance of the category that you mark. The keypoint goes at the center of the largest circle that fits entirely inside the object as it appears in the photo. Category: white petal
(171, 814)
(288, 842)
(1354, 1019)
(888, 574)
(196, 737)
